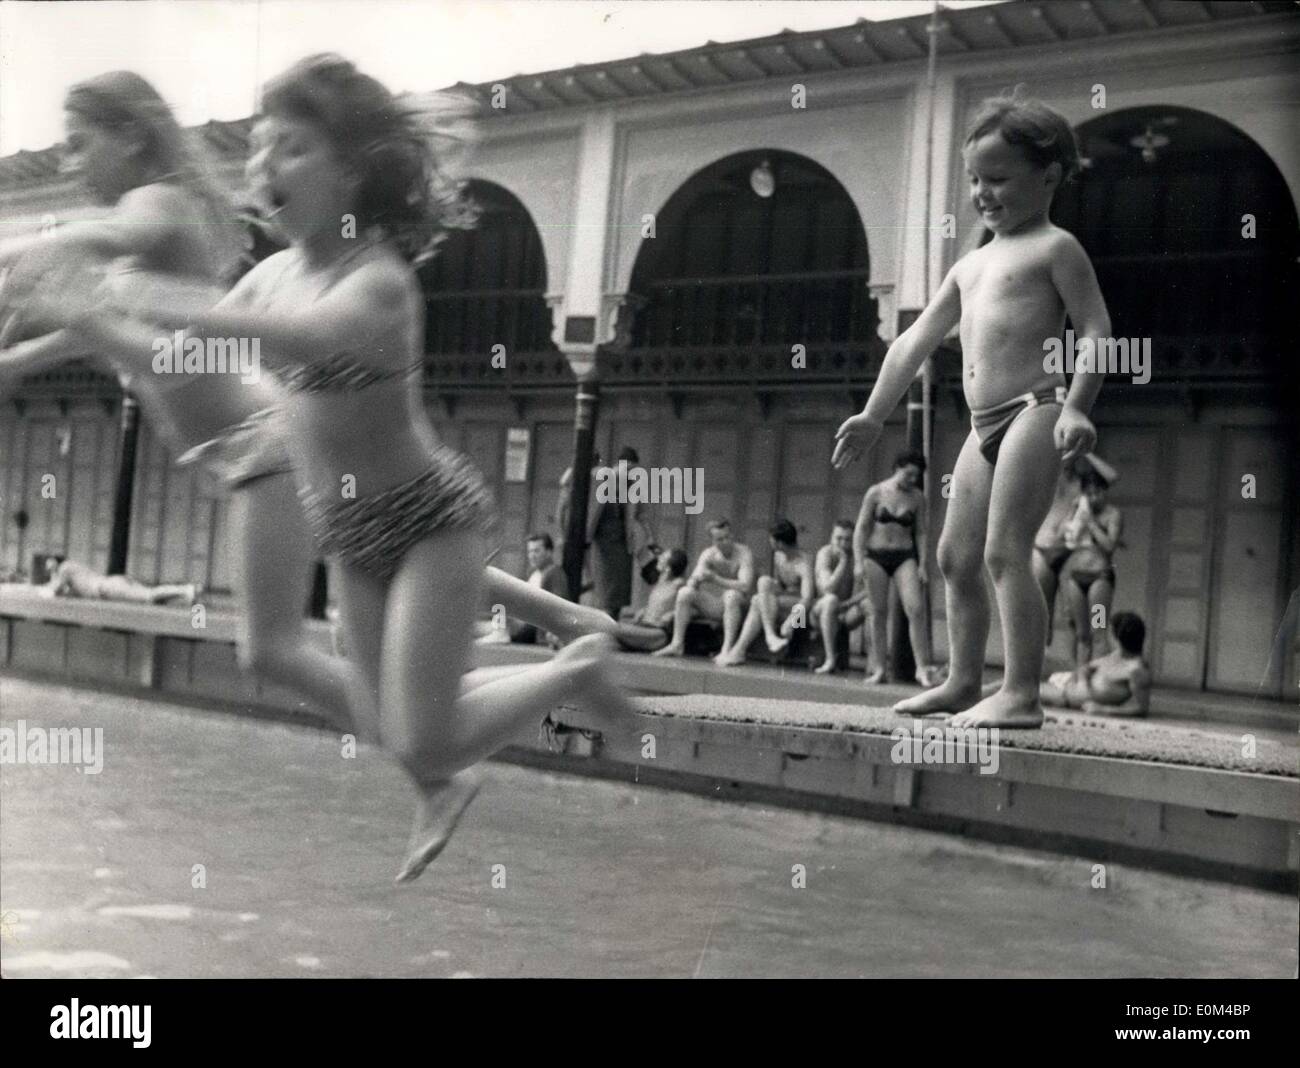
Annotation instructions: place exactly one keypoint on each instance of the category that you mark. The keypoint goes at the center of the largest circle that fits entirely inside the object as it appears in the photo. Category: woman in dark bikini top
(1091, 534)
(891, 526)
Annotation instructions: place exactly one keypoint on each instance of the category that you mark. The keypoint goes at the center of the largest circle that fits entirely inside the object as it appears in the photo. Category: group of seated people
(846, 584)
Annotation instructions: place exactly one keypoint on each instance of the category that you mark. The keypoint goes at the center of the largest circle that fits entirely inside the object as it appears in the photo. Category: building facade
(725, 239)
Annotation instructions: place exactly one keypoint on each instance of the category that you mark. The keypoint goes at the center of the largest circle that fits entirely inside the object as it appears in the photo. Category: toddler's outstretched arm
(1075, 280)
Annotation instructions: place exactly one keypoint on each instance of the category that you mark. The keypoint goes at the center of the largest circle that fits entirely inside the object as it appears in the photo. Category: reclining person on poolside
(70, 579)
(837, 607)
(1117, 684)
(718, 589)
(652, 627)
(784, 599)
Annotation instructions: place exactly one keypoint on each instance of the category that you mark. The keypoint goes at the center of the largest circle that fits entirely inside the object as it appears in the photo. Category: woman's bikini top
(340, 373)
(903, 519)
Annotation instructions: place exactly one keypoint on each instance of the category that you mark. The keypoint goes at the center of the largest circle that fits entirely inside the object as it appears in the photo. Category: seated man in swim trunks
(71, 579)
(719, 589)
(789, 588)
(1117, 684)
(836, 607)
(652, 627)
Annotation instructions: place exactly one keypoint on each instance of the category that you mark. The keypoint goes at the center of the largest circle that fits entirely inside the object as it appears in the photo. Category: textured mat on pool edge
(1064, 732)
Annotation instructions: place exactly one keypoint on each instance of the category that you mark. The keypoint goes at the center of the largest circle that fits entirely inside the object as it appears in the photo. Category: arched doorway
(485, 296)
(1193, 234)
(761, 248)
(487, 285)
(753, 255)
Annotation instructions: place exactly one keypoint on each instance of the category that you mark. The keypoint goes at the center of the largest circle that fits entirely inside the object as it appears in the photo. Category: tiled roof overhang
(860, 46)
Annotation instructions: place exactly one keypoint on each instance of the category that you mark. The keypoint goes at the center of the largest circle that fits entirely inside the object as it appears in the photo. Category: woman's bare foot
(777, 645)
(671, 649)
(729, 658)
(1003, 710)
(874, 678)
(593, 689)
(828, 668)
(439, 809)
(948, 697)
(582, 620)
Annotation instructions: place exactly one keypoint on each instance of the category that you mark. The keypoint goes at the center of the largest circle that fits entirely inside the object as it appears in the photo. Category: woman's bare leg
(1100, 593)
(911, 590)
(1047, 582)
(273, 560)
(433, 731)
(542, 609)
(1082, 625)
(877, 606)
(567, 621)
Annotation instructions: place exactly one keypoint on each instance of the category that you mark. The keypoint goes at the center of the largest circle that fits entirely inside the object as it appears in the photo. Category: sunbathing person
(1117, 684)
(70, 579)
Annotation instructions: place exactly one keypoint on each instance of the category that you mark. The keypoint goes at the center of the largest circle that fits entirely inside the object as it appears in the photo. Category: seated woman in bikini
(891, 525)
(1092, 534)
(1117, 684)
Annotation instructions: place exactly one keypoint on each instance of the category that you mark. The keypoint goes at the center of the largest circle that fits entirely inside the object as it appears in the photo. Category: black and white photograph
(650, 489)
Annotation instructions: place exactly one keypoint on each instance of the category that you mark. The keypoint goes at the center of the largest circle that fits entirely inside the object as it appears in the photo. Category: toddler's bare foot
(439, 809)
(949, 697)
(1003, 710)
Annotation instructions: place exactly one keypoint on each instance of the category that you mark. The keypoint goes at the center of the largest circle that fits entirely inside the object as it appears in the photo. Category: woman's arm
(864, 527)
(922, 534)
(32, 356)
(362, 306)
(1106, 534)
(145, 220)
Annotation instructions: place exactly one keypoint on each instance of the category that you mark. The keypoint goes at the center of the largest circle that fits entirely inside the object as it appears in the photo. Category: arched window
(761, 248)
(487, 286)
(1192, 232)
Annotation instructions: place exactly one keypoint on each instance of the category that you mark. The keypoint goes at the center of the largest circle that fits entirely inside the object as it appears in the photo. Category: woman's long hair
(403, 150)
(122, 102)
